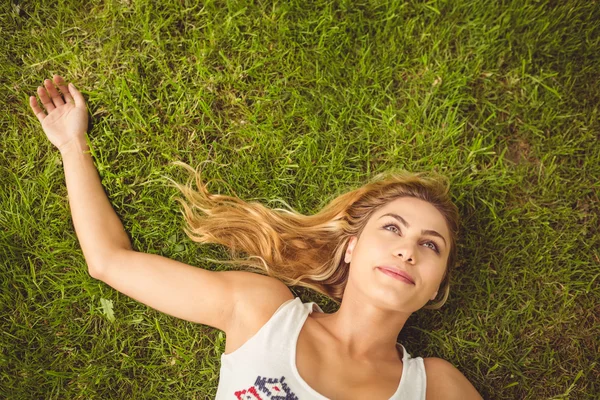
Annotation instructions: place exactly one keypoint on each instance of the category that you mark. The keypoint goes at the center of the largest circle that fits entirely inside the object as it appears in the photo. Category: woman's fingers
(56, 97)
(48, 105)
(37, 110)
(51, 98)
(63, 88)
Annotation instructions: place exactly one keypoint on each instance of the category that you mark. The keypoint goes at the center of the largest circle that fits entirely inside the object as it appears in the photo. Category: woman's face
(402, 234)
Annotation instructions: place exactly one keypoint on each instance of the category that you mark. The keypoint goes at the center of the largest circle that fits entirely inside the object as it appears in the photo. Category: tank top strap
(312, 307)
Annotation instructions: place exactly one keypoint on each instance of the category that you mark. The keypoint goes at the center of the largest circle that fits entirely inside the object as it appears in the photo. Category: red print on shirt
(267, 388)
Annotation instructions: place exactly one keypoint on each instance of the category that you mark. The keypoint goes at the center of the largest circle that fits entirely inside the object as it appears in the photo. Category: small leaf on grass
(179, 248)
(107, 309)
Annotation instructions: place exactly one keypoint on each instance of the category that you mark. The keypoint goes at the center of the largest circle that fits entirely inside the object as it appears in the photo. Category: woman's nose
(406, 252)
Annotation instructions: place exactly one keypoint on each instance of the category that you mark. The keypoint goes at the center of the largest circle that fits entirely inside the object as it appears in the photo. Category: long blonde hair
(308, 250)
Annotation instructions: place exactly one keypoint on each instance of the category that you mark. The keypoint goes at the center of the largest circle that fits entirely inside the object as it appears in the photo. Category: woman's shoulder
(260, 300)
(444, 380)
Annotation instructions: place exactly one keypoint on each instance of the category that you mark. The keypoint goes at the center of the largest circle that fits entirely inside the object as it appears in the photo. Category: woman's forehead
(415, 212)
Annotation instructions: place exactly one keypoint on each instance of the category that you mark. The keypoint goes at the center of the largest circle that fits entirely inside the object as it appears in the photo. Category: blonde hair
(308, 250)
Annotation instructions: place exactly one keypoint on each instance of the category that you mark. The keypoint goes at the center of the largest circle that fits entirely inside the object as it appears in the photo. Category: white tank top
(264, 367)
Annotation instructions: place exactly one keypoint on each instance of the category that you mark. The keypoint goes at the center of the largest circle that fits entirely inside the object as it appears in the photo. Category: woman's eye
(433, 246)
(393, 226)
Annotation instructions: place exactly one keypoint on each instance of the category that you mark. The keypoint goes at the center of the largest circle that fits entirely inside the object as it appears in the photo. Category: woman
(381, 252)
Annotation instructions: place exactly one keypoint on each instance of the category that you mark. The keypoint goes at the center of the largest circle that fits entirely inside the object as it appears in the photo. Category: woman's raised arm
(65, 123)
(186, 292)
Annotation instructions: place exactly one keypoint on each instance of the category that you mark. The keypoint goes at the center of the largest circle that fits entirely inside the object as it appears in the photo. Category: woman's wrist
(78, 145)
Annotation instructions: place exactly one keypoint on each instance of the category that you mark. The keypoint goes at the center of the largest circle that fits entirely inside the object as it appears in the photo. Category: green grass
(300, 101)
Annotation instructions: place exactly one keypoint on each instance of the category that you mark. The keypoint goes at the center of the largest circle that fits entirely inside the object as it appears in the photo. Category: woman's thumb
(77, 96)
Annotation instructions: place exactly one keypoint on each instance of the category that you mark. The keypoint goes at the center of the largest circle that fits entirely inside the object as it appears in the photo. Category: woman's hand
(67, 119)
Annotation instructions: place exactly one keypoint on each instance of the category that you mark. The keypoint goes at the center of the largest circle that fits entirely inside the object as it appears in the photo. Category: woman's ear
(350, 249)
(435, 294)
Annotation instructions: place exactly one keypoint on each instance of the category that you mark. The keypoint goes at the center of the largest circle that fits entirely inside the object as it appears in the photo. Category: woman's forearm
(98, 228)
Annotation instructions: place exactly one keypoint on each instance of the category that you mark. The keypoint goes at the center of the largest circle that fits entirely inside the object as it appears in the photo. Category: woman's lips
(396, 274)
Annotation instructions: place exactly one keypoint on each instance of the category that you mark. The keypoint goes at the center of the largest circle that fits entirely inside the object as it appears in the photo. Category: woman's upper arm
(183, 291)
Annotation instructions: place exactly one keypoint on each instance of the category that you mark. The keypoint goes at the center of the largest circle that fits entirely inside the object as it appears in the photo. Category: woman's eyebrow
(423, 232)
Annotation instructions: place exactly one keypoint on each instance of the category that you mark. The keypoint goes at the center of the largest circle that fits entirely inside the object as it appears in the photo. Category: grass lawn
(299, 101)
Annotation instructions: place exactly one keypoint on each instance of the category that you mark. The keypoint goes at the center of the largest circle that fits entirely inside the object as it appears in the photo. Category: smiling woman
(275, 343)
